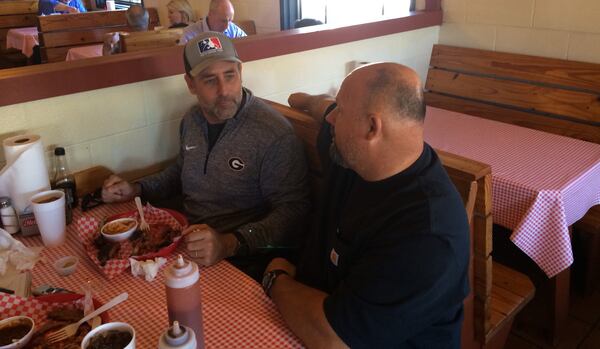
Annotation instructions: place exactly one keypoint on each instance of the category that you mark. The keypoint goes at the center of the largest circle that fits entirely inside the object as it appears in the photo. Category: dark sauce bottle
(64, 180)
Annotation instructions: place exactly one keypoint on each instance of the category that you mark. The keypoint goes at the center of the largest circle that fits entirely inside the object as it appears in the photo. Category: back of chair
(138, 41)
(60, 33)
(16, 14)
(248, 26)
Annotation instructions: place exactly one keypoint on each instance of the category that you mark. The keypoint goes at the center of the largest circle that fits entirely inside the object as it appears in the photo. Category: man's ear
(375, 126)
(190, 83)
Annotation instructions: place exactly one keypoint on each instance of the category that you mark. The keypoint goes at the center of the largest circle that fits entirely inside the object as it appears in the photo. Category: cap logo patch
(210, 45)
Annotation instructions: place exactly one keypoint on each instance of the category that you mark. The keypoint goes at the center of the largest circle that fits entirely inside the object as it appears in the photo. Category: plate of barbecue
(113, 257)
(50, 313)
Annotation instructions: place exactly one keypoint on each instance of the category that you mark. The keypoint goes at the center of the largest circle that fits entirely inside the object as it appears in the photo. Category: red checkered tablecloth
(236, 312)
(541, 182)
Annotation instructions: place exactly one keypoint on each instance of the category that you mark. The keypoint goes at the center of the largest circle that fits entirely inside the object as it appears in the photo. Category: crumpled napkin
(14, 253)
(148, 268)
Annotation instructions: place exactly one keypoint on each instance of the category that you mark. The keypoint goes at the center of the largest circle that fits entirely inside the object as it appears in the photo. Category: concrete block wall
(550, 28)
(136, 125)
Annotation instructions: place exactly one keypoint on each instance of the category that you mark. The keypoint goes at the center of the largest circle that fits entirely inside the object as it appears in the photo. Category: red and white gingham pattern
(87, 229)
(541, 182)
(14, 305)
(236, 312)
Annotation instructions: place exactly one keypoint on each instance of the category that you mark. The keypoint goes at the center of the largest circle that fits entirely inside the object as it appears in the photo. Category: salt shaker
(177, 337)
(10, 223)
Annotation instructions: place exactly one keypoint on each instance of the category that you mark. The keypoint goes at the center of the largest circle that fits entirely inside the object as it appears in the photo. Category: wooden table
(236, 312)
(23, 39)
(82, 52)
(542, 183)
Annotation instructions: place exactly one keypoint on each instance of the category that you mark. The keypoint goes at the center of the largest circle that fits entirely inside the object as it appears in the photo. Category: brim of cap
(206, 62)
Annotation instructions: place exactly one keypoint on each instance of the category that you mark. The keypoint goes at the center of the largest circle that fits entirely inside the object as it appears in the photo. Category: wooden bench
(547, 94)
(497, 292)
(16, 14)
(139, 41)
(60, 33)
(248, 26)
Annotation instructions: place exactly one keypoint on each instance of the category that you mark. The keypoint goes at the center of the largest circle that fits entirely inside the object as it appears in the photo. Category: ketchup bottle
(184, 300)
(177, 337)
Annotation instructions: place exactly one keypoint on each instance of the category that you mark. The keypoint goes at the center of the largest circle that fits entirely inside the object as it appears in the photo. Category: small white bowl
(66, 265)
(120, 326)
(120, 236)
(25, 339)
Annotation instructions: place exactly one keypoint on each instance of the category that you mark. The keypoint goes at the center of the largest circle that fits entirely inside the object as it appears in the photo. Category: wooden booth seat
(248, 26)
(16, 14)
(546, 94)
(60, 33)
(497, 292)
(138, 41)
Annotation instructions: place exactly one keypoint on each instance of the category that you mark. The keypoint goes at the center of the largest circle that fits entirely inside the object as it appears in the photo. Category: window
(345, 12)
(124, 4)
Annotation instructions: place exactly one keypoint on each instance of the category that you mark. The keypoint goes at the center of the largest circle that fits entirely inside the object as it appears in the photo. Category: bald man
(219, 19)
(386, 264)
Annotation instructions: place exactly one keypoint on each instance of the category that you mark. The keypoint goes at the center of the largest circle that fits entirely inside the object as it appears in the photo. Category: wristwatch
(269, 280)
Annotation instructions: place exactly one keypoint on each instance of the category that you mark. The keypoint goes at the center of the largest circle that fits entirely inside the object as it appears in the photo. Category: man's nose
(330, 118)
(221, 88)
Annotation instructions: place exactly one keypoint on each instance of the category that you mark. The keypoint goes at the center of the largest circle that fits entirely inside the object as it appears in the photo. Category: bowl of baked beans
(119, 229)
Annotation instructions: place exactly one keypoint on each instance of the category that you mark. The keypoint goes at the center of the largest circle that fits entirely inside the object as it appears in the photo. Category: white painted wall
(135, 125)
(264, 13)
(550, 28)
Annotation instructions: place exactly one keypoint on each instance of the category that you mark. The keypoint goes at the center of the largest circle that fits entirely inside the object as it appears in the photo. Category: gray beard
(335, 156)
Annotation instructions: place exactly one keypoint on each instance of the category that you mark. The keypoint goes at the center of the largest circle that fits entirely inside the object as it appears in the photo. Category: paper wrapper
(88, 229)
(11, 305)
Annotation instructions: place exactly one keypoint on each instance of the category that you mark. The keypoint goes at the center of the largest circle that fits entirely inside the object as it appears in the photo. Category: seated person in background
(386, 263)
(48, 7)
(241, 168)
(181, 13)
(219, 19)
(137, 20)
(306, 22)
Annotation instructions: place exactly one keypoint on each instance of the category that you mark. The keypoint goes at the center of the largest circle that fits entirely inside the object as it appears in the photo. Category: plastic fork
(143, 224)
(71, 329)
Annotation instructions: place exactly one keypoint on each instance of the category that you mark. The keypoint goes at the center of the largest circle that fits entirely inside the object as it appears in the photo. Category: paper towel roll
(25, 172)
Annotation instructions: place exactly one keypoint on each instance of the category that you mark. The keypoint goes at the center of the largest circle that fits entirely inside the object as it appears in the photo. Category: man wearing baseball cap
(240, 168)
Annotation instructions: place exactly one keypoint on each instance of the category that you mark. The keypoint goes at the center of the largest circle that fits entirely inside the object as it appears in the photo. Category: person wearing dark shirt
(48, 7)
(386, 263)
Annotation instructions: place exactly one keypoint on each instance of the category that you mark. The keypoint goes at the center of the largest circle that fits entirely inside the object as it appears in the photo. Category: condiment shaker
(10, 222)
(184, 299)
(177, 337)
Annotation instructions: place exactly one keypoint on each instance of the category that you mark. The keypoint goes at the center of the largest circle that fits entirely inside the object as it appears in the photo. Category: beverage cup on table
(110, 5)
(49, 211)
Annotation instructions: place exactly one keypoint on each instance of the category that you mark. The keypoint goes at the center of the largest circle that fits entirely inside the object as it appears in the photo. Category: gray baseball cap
(207, 48)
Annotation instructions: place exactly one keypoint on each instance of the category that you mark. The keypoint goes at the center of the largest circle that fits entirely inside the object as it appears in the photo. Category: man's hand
(284, 264)
(115, 189)
(206, 246)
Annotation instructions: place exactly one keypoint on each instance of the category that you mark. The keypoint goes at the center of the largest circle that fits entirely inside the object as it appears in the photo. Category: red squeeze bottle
(184, 299)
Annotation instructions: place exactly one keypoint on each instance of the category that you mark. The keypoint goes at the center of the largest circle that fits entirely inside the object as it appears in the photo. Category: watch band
(269, 280)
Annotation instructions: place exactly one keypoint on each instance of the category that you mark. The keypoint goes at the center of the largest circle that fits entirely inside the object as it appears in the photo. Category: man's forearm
(302, 309)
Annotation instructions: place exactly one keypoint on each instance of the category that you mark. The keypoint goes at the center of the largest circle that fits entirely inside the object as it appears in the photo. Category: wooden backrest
(16, 14)
(138, 41)
(473, 181)
(552, 95)
(248, 26)
(60, 33)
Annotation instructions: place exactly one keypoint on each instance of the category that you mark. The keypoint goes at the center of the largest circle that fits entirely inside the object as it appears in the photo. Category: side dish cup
(104, 329)
(66, 265)
(119, 229)
(15, 321)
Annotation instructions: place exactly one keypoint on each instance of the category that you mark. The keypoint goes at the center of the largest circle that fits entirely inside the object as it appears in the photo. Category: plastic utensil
(143, 224)
(71, 329)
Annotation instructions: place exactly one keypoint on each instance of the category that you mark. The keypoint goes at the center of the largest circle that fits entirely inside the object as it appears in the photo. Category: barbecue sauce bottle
(184, 299)
(64, 180)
